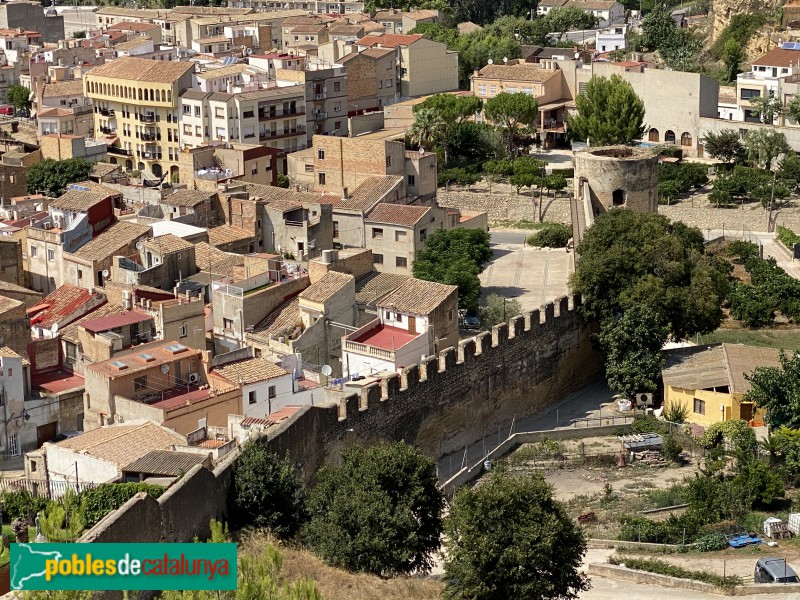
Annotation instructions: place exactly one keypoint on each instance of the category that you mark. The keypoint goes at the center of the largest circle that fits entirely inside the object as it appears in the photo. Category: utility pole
(541, 193)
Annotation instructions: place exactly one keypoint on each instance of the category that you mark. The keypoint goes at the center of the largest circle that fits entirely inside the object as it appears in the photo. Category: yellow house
(710, 381)
(136, 103)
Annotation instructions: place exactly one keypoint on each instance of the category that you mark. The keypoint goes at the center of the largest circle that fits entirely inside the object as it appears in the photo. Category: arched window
(653, 137)
(686, 139)
(669, 136)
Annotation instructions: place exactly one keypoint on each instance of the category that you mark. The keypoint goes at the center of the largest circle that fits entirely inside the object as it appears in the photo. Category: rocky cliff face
(723, 11)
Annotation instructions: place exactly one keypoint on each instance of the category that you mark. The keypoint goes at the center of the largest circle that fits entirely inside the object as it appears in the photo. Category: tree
(793, 108)
(509, 538)
(555, 182)
(609, 113)
(562, 19)
(51, 177)
(732, 56)
(764, 146)
(443, 115)
(658, 27)
(265, 492)
(283, 181)
(78, 35)
(451, 108)
(459, 176)
(18, 96)
(777, 390)
(511, 111)
(724, 145)
(555, 235)
(630, 259)
(62, 520)
(379, 511)
(428, 129)
(768, 107)
(497, 309)
(633, 345)
(455, 257)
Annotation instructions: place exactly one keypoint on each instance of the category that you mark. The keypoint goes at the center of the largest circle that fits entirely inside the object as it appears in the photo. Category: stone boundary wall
(503, 208)
(441, 405)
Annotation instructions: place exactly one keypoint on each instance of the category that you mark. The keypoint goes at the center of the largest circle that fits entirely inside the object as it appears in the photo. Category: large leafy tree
(428, 129)
(51, 177)
(562, 19)
(444, 116)
(732, 56)
(609, 113)
(455, 257)
(764, 146)
(509, 538)
(768, 108)
(658, 27)
(725, 145)
(266, 492)
(777, 389)
(512, 111)
(379, 511)
(19, 96)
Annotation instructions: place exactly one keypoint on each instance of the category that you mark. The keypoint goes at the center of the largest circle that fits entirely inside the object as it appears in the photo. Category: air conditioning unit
(57, 222)
(48, 225)
(644, 399)
(193, 377)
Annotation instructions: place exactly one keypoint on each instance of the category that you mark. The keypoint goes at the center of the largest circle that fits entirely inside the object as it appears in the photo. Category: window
(321, 178)
(380, 84)
(337, 86)
(51, 256)
(337, 107)
(271, 392)
(184, 330)
(336, 229)
(389, 83)
(423, 235)
(412, 180)
(492, 90)
(80, 274)
(653, 135)
(450, 315)
(686, 139)
(71, 351)
(401, 262)
(321, 154)
(187, 109)
(219, 112)
(337, 125)
(377, 259)
(400, 236)
(389, 161)
(227, 323)
(196, 111)
(746, 94)
(187, 130)
(251, 397)
(482, 90)
(140, 383)
(248, 114)
(398, 317)
(699, 406)
(33, 250)
(669, 136)
(377, 233)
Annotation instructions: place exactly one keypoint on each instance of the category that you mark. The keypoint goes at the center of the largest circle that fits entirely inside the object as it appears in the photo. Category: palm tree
(428, 129)
(772, 446)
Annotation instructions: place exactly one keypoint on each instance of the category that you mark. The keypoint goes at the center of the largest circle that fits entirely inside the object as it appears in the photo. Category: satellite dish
(577, 55)
(326, 370)
(139, 245)
(54, 327)
(106, 273)
(490, 61)
(505, 59)
(165, 368)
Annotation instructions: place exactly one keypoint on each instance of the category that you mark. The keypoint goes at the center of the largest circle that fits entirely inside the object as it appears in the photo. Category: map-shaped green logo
(28, 563)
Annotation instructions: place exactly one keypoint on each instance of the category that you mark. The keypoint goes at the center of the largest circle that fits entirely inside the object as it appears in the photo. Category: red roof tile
(405, 215)
(111, 321)
(60, 304)
(389, 40)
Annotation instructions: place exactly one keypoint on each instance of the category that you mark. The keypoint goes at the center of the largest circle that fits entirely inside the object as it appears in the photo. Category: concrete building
(138, 100)
(13, 390)
(304, 229)
(417, 319)
(371, 79)
(163, 260)
(30, 16)
(396, 232)
(15, 327)
(766, 78)
(611, 38)
(710, 383)
(425, 66)
(607, 12)
(325, 97)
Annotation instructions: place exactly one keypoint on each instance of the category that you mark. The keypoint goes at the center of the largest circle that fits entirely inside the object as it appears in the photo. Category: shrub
(788, 237)
(661, 567)
(96, 503)
(555, 235)
(676, 413)
(711, 542)
(648, 424)
(22, 505)
(671, 496)
(671, 448)
(744, 250)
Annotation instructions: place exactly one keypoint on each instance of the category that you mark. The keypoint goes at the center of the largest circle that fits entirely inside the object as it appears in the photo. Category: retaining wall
(503, 208)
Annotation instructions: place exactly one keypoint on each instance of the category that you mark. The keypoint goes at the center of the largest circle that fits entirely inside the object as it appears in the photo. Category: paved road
(509, 237)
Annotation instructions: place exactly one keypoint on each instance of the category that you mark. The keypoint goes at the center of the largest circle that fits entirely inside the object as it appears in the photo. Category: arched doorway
(686, 139)
(173, 174)
(669, 136)
(140, 166)
(156, 169)
(112, 160)
(128, 165)
(653, 136)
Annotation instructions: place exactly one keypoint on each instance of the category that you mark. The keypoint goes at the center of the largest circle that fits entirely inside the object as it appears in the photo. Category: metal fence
(42, 487)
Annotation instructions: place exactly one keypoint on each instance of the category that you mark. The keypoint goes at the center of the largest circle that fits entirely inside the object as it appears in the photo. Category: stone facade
(502, 209)
(618, 177)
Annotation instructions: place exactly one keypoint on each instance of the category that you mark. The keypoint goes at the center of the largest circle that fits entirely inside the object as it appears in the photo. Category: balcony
(320, 116)
(148, 137)
(108, 131)
(275, 135)
(147, 118)
(118, 151)
(107, 112)
(264, 116)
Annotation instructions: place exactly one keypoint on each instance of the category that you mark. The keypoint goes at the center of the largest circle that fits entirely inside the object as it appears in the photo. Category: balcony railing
(108, 130)
(107, 112)
(118, 151)
(272, 135)
(366, 350)
(147, 118)
(148, 137)
(320, 116)
(280, 115)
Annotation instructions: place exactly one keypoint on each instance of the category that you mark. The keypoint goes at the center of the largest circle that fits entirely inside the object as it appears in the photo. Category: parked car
(24, 112)
(774, 570)
(472, 322)
(7, 109)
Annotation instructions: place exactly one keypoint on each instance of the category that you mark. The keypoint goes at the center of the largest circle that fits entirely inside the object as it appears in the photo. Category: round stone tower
(617, 177)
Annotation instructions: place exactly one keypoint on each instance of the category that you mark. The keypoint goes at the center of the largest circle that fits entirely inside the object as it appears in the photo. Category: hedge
(98, 502)
(661, 567)
(788, 237)
(21, 504)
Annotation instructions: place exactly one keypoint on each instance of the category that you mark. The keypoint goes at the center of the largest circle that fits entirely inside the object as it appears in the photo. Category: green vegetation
(788, 237)
(19, 97)
(660, 567)
(283, 181)
(22, 505)
(554, 235)
(379, 511)
(764, 146)
(749, 184)
(764, 338)
(265, 492)
(497, 309)
(725, 145)
(741, 27)
(679, 48)
(96, 503)
(678, 179)
(51, 177)
(62, 520)
(508, 538)
(510, 112)
(609, 112)
(455, 257)
(777, 389)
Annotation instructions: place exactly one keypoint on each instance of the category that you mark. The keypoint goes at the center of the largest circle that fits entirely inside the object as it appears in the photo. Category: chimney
(345, 194)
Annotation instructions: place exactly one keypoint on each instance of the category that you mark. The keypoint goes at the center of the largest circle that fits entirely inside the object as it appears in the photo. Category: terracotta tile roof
(309, 28)
(54, 112)
(279, 320)
(422, 14)
(371, 191)
(70, 87)
(389, 40)
(122, 366)
(82, 200)
(101, 169)
(250, 370)
(134, 43)
(59, 305)
(214, 39)
(325, 288)
(591, 4)
(142, 69)
(7, 286)
(112, 240)
(377, 53)
(374, 286)
(121, 444)
(167, 244)
(132, 26)
(165, 462)
(520, 72)
(727, 94)
(194, 95)
(388, 15)
(70, 332)
(213, 260)
(372, 27)
(418, 296)
(346, 29)
(305, 19)
(225, 234)
(109, 322)
(404, 215)
(778, 57)
(215, 73)
(7, 352)
(285, 205)
(188, 198)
